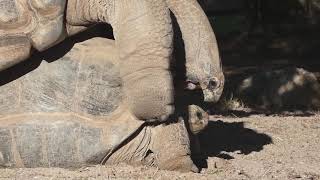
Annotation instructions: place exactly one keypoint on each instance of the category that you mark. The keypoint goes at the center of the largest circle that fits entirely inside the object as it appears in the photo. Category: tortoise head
(208, 78)
(203, 65)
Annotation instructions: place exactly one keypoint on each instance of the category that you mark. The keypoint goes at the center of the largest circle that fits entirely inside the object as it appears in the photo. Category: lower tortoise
(71, 113)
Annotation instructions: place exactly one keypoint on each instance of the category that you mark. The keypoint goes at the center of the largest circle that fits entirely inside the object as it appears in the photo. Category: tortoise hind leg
(13, 49)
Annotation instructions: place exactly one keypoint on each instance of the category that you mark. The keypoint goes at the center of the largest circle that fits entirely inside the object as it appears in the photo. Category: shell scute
(8, 11)
(42, 21)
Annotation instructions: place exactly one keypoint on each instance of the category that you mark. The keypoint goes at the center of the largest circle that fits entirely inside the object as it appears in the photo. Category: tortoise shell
(36, 23)
(65, 112)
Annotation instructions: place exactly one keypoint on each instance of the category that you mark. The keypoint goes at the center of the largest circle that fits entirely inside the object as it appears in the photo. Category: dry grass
(229, 103)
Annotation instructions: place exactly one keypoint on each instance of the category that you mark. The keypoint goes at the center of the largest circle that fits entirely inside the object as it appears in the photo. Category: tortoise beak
(211, 89)
(210, 96)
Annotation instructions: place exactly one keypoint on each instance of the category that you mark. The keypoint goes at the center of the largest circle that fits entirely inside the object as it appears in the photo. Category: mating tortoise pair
(105, 101)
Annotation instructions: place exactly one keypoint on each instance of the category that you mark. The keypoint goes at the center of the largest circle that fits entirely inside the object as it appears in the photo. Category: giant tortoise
(70, 113)
(80, 105)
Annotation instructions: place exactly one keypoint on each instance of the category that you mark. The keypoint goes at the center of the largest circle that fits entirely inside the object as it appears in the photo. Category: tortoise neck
(81, 13)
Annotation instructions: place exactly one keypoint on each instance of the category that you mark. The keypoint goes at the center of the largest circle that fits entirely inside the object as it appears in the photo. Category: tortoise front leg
(143, 36)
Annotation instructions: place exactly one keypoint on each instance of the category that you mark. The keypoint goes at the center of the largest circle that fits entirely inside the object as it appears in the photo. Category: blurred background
(270, 54)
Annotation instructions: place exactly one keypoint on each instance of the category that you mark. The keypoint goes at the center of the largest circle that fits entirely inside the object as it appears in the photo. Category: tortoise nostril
(213, 84)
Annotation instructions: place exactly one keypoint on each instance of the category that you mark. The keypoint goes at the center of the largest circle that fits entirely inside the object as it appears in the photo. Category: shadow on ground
(248, 112)
(220, 137)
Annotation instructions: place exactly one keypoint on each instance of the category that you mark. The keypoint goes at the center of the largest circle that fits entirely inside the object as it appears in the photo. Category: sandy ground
(252, 147)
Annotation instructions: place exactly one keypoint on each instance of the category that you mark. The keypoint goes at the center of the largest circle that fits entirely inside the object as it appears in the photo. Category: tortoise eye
(213, 84)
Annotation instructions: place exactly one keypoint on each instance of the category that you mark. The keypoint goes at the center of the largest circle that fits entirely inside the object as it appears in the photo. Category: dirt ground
(251, 147)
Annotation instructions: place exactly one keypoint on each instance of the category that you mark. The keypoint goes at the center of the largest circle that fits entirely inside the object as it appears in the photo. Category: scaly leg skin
(144, 40)
(171, 147)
